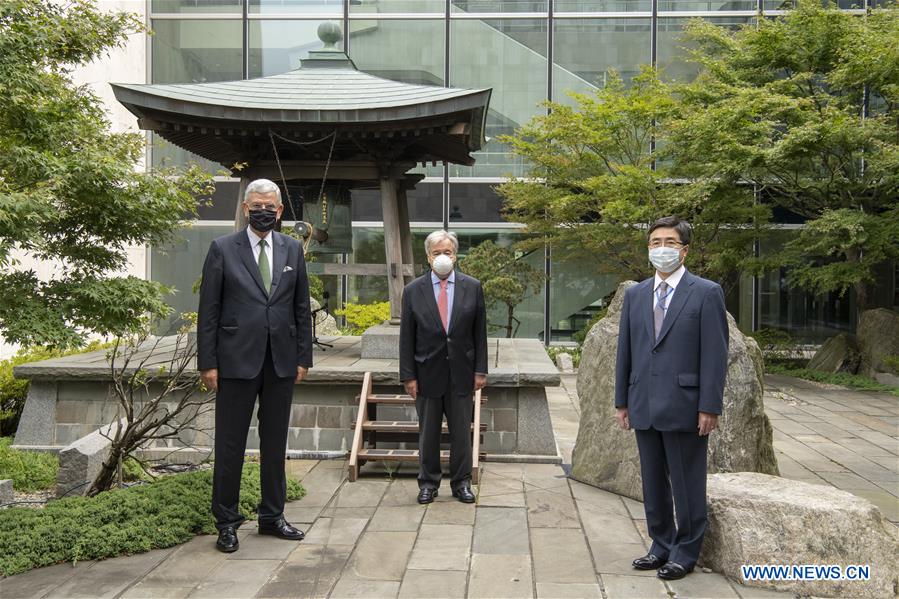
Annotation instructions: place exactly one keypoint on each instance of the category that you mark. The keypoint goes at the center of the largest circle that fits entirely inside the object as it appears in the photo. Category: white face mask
(442, 266)
(664, 259)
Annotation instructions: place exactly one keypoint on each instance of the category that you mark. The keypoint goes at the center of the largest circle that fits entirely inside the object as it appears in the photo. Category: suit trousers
(673, 466)
(234, 405)
(458, 410)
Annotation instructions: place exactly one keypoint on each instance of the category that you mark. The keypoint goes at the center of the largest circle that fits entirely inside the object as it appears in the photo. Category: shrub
(13, 391)
(119, 522)
(854, 381)
(362, 316)
(574, 352)
(29, 470)
(581, 335)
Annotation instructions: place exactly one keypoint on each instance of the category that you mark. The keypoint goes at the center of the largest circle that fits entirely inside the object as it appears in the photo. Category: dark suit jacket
(237, 317)
(434, 357)
(664, 383)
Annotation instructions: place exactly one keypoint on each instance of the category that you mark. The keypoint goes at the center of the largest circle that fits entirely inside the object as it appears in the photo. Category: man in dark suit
(443, 360)
(669, 385)
(254, 338)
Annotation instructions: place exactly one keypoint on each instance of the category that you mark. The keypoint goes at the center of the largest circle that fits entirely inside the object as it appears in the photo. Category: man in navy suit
(669, 385)
(254, 338)
(443, 360)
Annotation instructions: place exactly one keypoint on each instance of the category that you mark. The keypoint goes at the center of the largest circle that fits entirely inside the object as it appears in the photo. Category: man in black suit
(669, 387)
(254, 338)
(443, 360)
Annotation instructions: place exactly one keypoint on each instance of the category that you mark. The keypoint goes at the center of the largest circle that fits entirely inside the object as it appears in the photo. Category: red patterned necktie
(443, 304)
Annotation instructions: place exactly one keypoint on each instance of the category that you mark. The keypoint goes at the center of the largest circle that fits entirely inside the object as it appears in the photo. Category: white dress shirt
(254, 243)
(672, 280)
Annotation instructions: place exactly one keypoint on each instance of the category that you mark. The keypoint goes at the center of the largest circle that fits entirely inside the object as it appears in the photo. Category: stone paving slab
(532, 533)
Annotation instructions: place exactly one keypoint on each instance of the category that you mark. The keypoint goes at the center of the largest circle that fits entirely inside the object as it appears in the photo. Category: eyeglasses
(255, 206)
(668, 243)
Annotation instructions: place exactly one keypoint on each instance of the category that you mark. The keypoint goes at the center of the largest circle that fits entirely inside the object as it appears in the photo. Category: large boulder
(838, 354)
(325, 324)
(878, 337)
(755, 519)
(606, 456)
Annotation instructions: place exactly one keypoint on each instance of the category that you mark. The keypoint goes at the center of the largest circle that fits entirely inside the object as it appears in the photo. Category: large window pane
(196, 6)
(510, 57)
(318, 7)
(196, 51)
(510, 6)
(586, 49)
(474, 203)
(193, 51)
(603, 5)
(278, 46)
(361, 7)
(672, 55)
(408, 51)
(707, 5)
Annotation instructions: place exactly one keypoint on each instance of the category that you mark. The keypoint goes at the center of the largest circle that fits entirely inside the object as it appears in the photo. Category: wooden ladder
(369, 430)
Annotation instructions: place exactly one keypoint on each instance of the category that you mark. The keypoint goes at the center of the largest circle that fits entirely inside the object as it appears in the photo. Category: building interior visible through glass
(500, 44)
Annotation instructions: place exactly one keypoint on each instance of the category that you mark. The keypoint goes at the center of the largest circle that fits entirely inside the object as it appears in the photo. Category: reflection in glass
(510, 57)
(196, 6)
(318, 7)
(586, 49)
(672, 55)
(494, 6)
(196, 51)
(602, 6)
(407, 51)
(360, 7)
(707, 5)
(277, 46)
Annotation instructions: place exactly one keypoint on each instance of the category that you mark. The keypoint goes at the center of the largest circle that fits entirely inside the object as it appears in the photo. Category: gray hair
(438, 236)
(262, 186)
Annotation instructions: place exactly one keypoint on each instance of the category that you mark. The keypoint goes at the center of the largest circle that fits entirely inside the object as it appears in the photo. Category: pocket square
(288, 269)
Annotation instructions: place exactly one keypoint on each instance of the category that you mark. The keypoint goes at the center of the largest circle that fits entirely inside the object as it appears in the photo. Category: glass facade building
(527, 51)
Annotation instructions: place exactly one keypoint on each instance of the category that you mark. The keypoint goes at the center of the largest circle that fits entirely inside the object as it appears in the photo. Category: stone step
(401, 426)
(400, 455)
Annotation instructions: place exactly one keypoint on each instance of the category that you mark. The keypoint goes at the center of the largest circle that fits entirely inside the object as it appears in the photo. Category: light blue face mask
(664, 259)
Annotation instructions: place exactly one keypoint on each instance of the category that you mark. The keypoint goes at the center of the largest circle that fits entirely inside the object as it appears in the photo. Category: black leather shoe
(464, 494)
(426, 495)
(227, 541)
(672, 571)
(281, 529)
(648, 562)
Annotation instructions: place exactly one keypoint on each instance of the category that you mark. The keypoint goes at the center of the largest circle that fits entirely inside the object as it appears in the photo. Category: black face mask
(263, 220)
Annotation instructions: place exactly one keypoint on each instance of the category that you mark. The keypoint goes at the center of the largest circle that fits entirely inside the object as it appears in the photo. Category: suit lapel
(427, 289)
(458, 295)
(279, 260)
(648, 303)
(681, 295)
(246, 256)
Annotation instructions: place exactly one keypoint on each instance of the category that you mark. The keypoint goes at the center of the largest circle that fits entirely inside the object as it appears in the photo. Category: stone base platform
(68, 399)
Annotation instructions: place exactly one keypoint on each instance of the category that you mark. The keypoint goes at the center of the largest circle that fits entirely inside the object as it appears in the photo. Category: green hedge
(360, 317)
(29, 470)
(119, 522)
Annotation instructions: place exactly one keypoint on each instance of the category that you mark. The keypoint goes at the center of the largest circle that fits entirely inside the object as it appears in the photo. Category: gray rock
(564, 362)
(80, 462)
(606, 457)
(37, 426)
(838, 354)
(878, 337)
(885, 378)
(760, 519)
(6, 494)
(325, 324)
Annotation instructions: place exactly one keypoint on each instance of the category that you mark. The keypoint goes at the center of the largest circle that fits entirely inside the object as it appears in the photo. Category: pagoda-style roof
(373, 118)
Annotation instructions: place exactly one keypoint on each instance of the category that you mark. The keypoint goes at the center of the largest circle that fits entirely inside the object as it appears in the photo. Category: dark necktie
(264, 268)
(658, 314)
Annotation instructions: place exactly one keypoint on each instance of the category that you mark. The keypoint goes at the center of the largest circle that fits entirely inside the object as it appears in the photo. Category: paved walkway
(533, 532)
